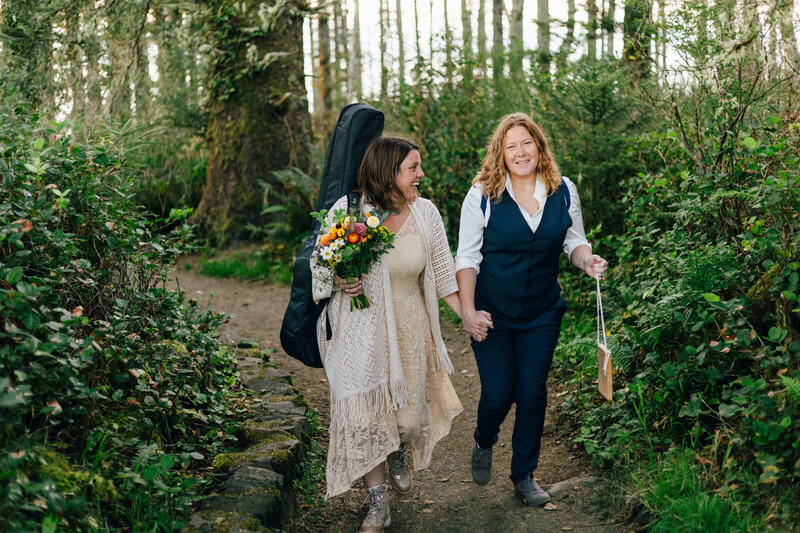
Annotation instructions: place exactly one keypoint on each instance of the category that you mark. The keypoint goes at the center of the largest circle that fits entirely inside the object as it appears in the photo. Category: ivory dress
(387, 365)
(433, 400)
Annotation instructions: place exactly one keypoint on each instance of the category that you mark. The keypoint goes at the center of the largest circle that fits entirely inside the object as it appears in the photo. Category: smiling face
(520, 153)
(408, 175)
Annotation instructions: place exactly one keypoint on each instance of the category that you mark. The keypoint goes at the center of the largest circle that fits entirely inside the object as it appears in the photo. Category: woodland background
(132, 132)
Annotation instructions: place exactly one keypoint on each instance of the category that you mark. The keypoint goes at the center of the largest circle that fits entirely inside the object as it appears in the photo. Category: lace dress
(433, 400)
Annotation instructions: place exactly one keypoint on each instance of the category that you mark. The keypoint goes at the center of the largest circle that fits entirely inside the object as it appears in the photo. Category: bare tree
(569, 39)
(466, 32)
(342, 55)
(543, 33)
(788, 38)
(610, 27)
(448, 44)
(482, 36)
(516, 40)
(591, 30)
(401, 57)
(354, 64)
(418, 65)
(497, 41)
(384, 23)
(324, 70)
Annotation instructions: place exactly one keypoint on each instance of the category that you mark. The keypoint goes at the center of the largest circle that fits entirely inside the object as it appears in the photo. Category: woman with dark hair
(516, 219)
(387, 365)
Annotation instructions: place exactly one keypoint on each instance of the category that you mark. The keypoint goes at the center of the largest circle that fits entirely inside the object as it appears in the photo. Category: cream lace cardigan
(362, 359)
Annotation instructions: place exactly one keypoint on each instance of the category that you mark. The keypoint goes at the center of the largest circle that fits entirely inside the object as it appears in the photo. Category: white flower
(337, 257)
(339, 243)
(373, 222)
(327, 253)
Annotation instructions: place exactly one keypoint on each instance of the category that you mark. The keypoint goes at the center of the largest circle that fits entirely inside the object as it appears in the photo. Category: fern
(792, 387)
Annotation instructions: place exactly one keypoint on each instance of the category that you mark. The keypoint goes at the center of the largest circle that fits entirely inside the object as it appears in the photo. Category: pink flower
(360, 228)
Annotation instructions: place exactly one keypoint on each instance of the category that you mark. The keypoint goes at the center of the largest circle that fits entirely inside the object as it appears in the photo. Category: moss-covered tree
(259, 119)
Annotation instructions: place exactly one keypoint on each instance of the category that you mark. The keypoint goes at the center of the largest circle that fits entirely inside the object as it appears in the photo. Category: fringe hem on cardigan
(359, 408)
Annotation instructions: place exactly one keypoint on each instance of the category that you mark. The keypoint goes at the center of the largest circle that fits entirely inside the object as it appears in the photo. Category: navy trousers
(513, 363)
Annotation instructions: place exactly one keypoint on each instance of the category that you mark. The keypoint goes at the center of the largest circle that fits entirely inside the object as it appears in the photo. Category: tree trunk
(448, 44)
(430, 36)
(788, 37)
(466, 28)
(384, 23)
(569, 39)
(516, 40)
(543, 34)
(401, 56)
(324, 73)
(591, 30)
(482, 57)
(636, 34)
(418, 64)
(610, 27)
(342, 55)
(354, 73)
(259, 119)
(498, 52)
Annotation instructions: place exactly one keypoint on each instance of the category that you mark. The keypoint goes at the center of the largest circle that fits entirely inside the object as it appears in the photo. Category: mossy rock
(217, 521)
(75, 479)
(172, 346)
(226, 461)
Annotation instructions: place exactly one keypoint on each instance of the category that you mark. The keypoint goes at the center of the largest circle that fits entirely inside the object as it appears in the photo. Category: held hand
(595, 266)
(477, 324)
(350, 289)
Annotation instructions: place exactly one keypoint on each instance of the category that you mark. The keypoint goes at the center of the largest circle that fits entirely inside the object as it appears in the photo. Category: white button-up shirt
(473, 222)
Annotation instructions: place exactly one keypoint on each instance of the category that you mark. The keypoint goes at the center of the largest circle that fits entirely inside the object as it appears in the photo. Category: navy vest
(518, 280)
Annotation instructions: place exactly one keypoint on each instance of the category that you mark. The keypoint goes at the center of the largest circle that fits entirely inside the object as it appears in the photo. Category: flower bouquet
(350, 244)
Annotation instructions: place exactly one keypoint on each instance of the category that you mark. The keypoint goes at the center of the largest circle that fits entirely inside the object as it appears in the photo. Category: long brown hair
(376, 175)
(493, 170)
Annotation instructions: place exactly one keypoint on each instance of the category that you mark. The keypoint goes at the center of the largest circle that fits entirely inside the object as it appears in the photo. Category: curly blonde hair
(493, 169)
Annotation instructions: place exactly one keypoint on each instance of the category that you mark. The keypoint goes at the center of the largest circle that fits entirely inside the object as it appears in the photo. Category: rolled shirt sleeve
(576, 236)
(470, 230)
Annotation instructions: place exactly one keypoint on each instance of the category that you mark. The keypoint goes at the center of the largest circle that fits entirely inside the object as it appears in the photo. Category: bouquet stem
(359, 302)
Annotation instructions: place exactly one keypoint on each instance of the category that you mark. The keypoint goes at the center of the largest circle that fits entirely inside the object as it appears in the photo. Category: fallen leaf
(444, 479)
(464, 371)
(427, 510)
(428, 502)
(550, 506)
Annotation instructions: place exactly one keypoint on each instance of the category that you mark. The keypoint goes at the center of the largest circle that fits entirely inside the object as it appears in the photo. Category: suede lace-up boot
(399, 473)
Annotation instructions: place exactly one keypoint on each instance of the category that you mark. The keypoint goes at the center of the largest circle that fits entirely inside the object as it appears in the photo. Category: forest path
(444, 498)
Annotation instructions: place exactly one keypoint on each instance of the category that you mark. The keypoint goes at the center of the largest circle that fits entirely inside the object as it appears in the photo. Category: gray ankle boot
(378, 516)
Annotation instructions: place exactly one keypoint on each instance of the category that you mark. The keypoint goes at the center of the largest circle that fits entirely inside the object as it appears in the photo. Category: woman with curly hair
(516, 219)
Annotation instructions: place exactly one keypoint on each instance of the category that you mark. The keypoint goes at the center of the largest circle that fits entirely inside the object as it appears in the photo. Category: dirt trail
(444, 498)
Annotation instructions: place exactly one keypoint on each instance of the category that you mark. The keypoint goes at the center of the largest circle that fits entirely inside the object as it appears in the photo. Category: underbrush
(114, 389)
(702, 307)
(247, 265)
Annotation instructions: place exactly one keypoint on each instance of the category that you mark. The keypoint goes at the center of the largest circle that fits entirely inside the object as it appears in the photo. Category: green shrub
(113, 388)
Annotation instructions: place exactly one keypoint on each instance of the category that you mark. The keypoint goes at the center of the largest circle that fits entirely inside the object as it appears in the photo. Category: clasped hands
(477, 324)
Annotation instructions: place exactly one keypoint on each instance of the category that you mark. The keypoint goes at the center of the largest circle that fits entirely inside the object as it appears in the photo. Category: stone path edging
(258, 492)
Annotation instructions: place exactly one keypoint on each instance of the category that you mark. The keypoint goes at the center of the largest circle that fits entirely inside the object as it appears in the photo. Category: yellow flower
(340, 232)
(373, 222)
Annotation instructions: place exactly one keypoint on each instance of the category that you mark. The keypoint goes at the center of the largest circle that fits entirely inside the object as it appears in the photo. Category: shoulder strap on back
(565, 189)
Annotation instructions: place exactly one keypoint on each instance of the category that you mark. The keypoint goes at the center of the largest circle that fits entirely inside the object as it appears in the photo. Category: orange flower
(353, 238)
(325, 240)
